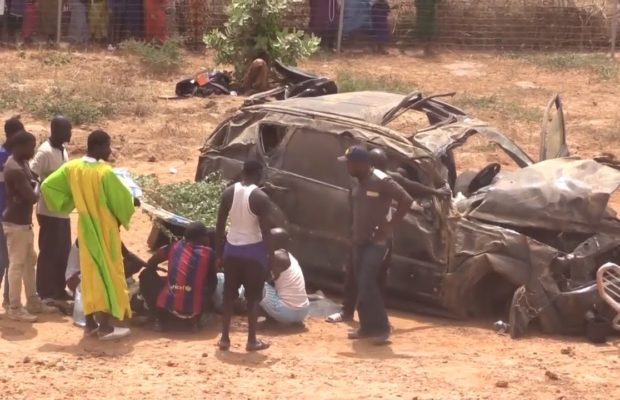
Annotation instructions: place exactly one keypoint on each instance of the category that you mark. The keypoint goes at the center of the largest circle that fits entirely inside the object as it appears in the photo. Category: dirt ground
(428, 359)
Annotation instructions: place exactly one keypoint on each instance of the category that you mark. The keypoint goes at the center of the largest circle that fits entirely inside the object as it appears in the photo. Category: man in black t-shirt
(373, 223)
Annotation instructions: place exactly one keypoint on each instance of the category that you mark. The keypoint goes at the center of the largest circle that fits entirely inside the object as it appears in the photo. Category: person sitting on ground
(131, 262)
(286, 300)
(185, 293)
(256, 78)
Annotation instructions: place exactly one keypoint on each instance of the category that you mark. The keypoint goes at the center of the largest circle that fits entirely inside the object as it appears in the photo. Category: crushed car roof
(366, 106)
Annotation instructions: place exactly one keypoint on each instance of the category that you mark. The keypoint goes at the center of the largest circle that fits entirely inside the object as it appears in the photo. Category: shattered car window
(314, 155)
(271, 135)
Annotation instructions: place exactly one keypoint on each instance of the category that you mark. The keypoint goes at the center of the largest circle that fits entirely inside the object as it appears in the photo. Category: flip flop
(257, 346)
(223, 345)
(117, 333)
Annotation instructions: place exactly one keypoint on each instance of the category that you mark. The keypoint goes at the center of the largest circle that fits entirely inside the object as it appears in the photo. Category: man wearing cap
(373, 223)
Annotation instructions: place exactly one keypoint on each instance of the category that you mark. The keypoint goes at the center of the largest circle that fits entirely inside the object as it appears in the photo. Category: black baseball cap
(356, 153)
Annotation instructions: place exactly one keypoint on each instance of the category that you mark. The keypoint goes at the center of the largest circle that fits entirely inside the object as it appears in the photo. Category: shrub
(158, 58)
(355, 82)
(253, 27)
(197, 201)
(77, 107)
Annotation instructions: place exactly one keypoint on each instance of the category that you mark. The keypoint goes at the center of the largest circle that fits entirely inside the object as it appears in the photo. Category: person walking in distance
(373, 224)
(104, 203)
(22, 189)
(244, 251)
(54, 228)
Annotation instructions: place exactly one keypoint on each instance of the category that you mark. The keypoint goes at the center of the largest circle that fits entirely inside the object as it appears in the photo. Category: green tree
(255, 27)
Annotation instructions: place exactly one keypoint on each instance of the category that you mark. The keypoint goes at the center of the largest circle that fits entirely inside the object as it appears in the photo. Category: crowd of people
(111, 21)
(243, 265)
(103, 21)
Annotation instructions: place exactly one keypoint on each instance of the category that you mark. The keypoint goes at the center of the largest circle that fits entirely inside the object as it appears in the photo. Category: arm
(403, 202)
(133, 263)
(56, 191)
(39, 164)
(20, 182)
(118, 198)
(159, 257)
(222, 218)
(261, 206)
(415, 188)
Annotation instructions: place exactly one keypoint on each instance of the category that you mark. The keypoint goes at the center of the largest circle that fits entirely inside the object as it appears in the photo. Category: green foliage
(253, 27)
(507, 108)
(158, 58)
(349, 81)
(197, 201)
(604, 67)
(77, 107)
(56, 58)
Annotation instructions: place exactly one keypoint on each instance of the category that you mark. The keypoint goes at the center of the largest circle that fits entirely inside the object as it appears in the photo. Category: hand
(444, 192)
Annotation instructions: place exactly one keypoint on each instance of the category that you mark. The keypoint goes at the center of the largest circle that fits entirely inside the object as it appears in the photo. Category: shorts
(273, 305)
(243, 272)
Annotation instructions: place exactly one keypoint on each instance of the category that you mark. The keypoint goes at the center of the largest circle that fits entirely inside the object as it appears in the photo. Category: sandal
(257, 346)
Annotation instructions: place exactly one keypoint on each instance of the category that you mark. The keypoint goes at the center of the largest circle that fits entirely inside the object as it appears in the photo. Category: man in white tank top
(243, 250)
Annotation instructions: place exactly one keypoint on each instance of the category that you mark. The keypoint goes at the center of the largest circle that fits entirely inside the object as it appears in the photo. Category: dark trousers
(54, 247)
(349, 301)
(4, 266)
(367, 263)
(151, 285)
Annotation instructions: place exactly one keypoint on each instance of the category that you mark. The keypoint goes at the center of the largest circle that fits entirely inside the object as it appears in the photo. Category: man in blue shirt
(11, 127)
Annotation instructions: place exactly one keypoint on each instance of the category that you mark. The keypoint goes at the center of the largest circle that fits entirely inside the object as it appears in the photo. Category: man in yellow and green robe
(103, 203)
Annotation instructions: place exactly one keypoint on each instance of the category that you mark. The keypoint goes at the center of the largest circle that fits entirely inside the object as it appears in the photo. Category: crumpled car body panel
(527, 246)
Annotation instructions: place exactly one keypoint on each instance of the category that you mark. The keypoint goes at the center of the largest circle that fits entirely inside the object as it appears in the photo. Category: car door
(553, 132)
(312, 188)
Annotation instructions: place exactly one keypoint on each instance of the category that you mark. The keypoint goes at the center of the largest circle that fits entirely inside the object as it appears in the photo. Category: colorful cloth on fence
(426, 18)
(78, 25)
(48, 18)
(134, 17)
(98, 19)
(356, 16)
(103, 203)
(197, 24)
(30, 19)
(188, 265)
(155, 27)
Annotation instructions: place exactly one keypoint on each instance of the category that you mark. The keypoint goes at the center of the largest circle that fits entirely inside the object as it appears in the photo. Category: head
(378, 159)
(252, 172)
(12, 126)
(99, 145)
(23, 145)
(280, 261)
(197, 233)
(358, 161)
(60, 131)
(280, 239)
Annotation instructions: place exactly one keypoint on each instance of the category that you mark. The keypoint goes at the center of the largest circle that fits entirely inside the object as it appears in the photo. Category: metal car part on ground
(525, 244)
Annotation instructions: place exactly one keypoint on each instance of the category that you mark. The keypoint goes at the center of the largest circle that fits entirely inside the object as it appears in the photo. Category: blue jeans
(4, 266)
(367, 261)
(276, 309)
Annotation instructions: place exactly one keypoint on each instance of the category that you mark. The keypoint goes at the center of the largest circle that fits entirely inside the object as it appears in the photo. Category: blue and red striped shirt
(188, 266)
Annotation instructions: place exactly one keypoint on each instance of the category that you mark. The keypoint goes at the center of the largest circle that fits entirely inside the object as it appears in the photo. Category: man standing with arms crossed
(244, 251)
(373, 225)
(54, 228)
(11, 127)
(22, 190)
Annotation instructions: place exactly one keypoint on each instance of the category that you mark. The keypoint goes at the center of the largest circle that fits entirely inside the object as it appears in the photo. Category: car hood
(565, 195)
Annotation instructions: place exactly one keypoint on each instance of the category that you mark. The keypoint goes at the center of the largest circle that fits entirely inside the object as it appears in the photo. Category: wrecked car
(524, 244)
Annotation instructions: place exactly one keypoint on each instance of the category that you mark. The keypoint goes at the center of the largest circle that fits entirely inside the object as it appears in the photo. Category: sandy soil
(429, 358)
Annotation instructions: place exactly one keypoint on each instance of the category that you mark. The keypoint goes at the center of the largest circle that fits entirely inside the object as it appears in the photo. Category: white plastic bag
(79, 319)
